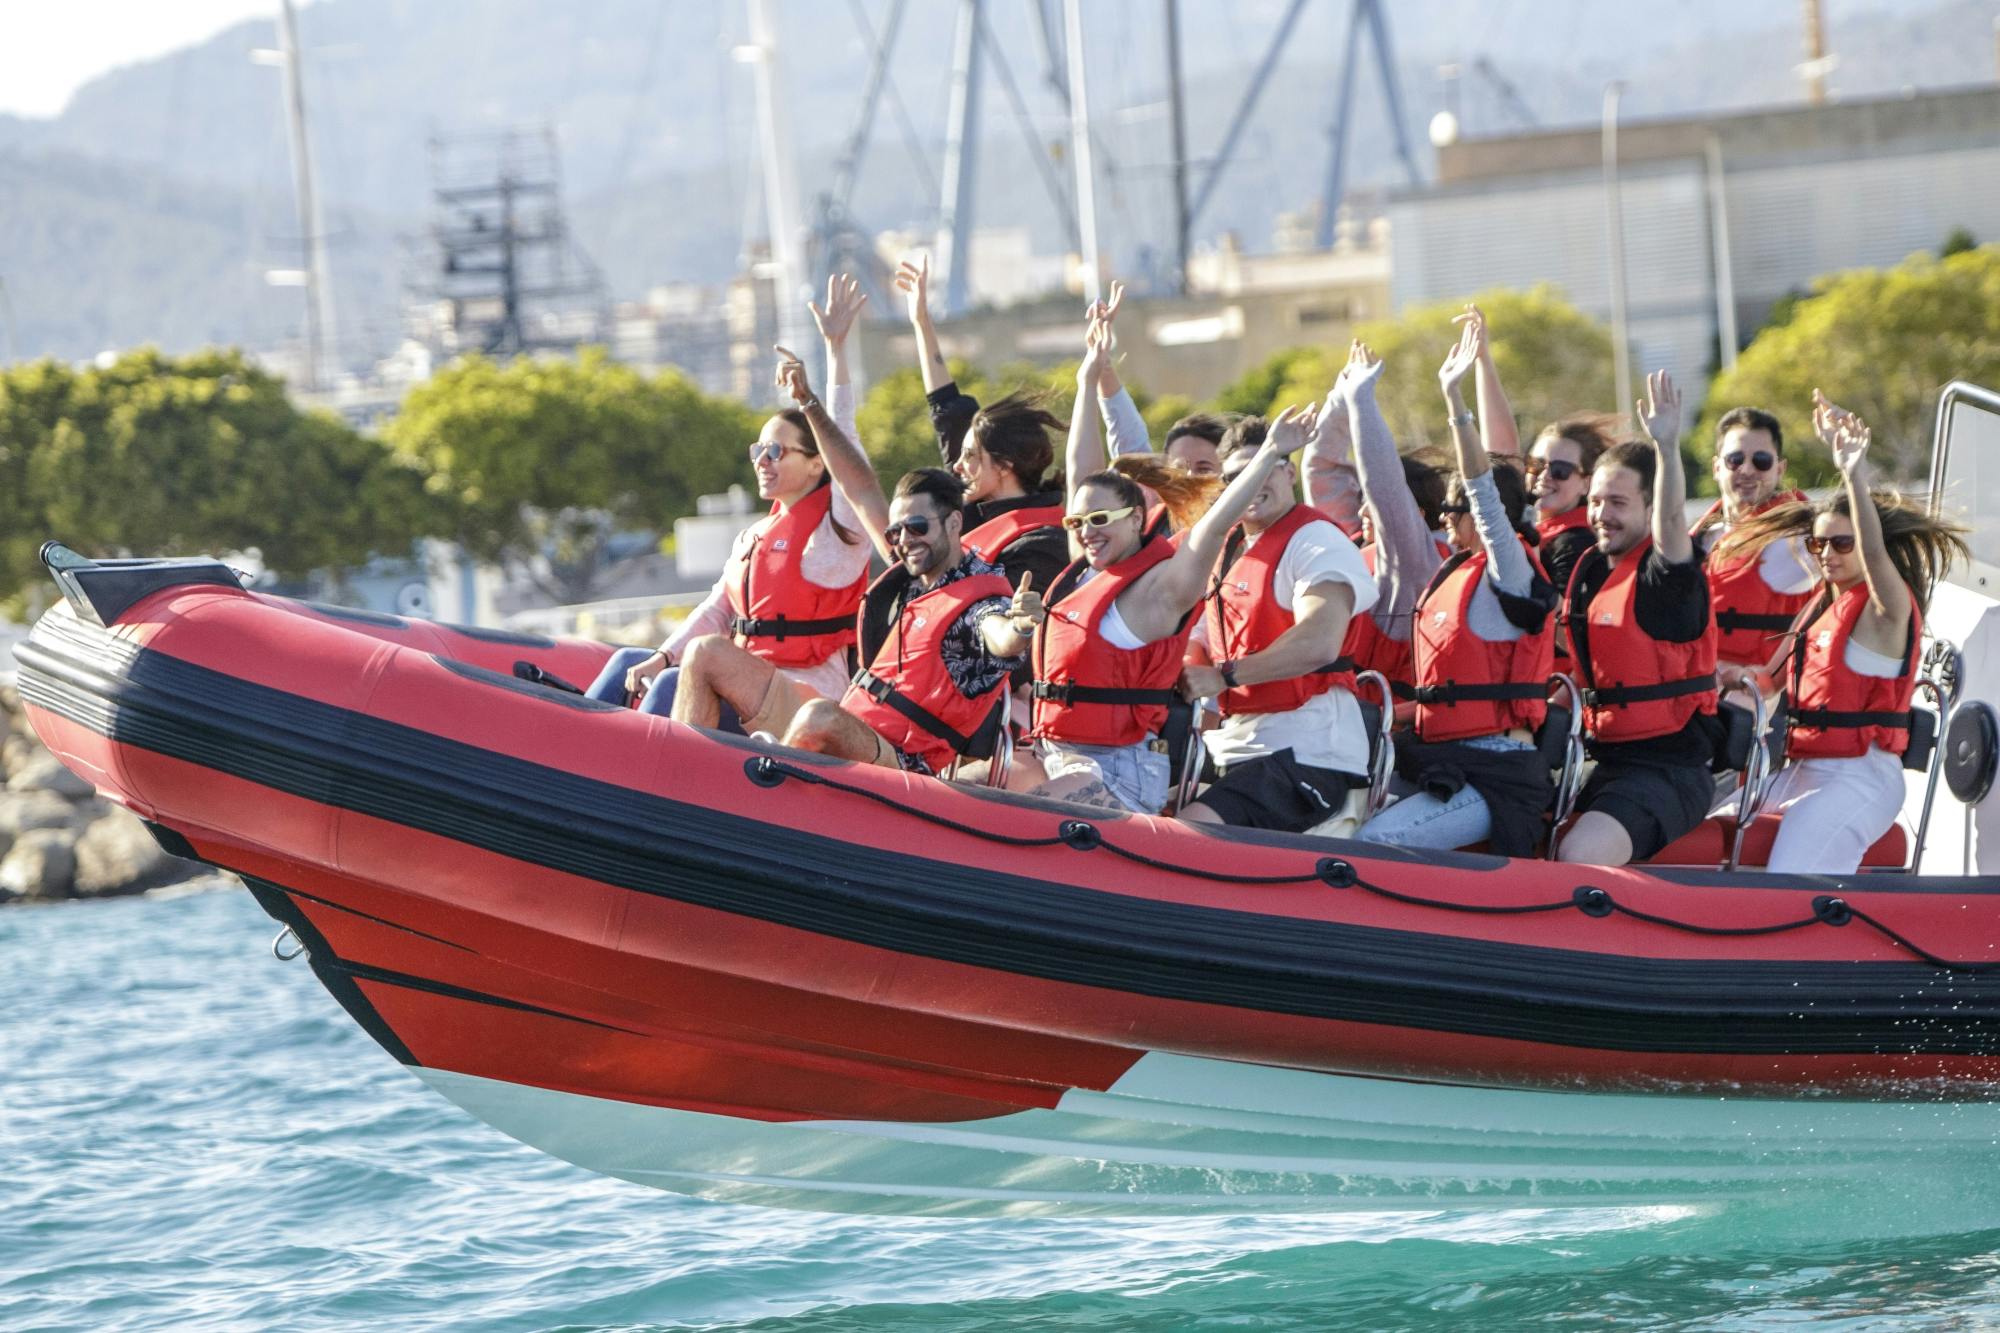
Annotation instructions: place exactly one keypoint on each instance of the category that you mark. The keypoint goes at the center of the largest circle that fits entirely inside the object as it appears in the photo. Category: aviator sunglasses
(917, 525)
(771, 452)
(1843, 544)
(1559, 469)
(1759, 460)
(1096, 518)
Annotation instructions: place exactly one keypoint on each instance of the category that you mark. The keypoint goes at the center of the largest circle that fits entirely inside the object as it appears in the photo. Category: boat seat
(1708, 844)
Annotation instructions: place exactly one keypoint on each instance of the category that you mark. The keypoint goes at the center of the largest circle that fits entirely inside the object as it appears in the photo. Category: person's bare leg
(823, 727)
(1194, 812)
(715, 670)
(1596, 839)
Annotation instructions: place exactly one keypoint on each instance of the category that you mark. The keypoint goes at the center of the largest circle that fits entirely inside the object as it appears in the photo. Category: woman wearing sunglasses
(1112, 631)
(1559, 466)
(794, 579)
(1853, 668)
(1482, 643)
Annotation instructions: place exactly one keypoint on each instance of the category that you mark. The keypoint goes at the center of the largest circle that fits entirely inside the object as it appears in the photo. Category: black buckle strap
(882, 692)
(1067, 692)
(1730, 621)
(783, 627)
(1826, 718)
(1452, 692)
(1613, 696)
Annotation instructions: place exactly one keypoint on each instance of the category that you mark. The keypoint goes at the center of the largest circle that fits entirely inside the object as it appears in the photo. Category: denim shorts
(1135, 774)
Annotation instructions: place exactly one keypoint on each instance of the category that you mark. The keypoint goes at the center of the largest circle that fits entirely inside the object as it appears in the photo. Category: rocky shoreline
(58, 838)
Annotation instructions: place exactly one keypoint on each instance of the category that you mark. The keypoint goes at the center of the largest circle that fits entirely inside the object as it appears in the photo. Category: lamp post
(1614, 223)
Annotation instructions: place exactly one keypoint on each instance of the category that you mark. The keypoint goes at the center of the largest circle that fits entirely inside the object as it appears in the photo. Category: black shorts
(1277, 792)
(1654, 803)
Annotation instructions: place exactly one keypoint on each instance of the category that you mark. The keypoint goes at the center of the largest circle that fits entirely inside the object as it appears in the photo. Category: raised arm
(1659, 417)
(844, 299)
(845, 462)
(1154, 606)
(913, 279)
(1889, 598)
(1084, 452)
(1123, 424)
(1496, 415)
(1327, 473)
(1506, 563)
(1405, 553)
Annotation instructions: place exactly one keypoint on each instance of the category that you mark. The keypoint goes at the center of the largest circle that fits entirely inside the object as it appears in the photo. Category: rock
(16, 753)
(41, 864)
(21, 811)
(47, 774)
(117, 855)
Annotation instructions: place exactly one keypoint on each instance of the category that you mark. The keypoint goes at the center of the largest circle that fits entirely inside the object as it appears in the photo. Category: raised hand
(1363, 367)
(792, 377)
(1474, 320)
(844, 299)
(1027, 610)
(1460, 360)
(1286, 434)
(913, 279)
(1846, 434)
(1096, 348)
(1659, 413)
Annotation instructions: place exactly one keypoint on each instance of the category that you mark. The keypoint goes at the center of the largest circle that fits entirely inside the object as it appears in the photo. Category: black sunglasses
(1559, 468)
(917, 525)
(1843, 544)
(1456, 509)
(1759, 460)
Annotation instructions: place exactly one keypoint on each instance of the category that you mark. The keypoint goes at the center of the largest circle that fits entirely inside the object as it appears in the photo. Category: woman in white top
(835, 554)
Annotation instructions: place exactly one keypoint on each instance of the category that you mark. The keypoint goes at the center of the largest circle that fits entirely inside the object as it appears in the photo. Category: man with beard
(1643, 635)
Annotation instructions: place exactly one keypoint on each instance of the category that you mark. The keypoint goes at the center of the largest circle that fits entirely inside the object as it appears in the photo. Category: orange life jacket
(1088, 692)
(996, 534)
(906, 694)
(1836, 712)
(1244, 618)
(1635, 686)
(1750, 615)
(776, 612)
(1466, 685)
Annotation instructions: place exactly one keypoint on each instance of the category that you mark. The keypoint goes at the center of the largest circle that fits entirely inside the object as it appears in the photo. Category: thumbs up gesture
(1027, 610)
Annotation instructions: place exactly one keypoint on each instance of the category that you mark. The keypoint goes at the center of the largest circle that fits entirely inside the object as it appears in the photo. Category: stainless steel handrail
(1382, 746)
(1756, 768)
(1570, 782)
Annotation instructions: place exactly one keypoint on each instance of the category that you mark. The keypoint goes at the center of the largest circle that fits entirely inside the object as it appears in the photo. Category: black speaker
(1971, 749)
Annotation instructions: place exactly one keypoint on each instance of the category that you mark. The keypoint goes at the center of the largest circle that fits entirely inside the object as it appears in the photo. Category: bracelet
(1226, 668)
(809, 405)
(1465, 418)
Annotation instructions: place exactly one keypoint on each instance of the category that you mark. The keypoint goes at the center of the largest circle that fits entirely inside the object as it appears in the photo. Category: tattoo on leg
(1093, 792)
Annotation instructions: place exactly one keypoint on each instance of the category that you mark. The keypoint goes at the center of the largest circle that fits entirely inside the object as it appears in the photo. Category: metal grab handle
(1570, 782)
(1191, 757)
(1945, 706)
(1003, 746)
(1756, 768)
(278, 942)
(1382, 745)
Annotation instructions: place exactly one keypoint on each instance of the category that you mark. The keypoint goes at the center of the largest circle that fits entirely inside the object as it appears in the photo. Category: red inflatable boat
(739, 971)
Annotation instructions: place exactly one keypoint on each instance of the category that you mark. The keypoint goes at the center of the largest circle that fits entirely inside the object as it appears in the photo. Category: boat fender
(1971, 748)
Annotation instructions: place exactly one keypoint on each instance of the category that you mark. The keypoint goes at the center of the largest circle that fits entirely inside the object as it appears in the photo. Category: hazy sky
(47, 51)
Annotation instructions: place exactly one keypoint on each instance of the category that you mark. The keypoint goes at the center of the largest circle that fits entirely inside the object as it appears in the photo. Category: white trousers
(1831, 811)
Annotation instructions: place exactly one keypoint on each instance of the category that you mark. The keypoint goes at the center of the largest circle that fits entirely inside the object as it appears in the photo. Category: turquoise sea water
(193, 1135)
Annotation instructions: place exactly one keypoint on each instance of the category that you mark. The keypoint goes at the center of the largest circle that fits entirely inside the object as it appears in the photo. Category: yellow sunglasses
(1096, 518)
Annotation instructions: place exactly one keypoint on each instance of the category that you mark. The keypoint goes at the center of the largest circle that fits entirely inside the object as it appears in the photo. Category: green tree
(542, 460)
(160, 455)
(1882, 342)
(1553, 360)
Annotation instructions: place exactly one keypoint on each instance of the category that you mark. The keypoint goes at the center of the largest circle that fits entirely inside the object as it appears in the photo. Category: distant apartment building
(1723, 215)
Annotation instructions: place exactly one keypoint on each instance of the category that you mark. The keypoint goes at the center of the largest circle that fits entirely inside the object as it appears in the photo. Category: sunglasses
(1456, 509)
(1843, 544)
(1759, 460)
(1096, 518)
(772, 452)
(917, 525)
(1559, 469)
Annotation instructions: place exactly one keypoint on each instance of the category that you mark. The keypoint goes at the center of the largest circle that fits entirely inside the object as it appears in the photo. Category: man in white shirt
(1292, 746)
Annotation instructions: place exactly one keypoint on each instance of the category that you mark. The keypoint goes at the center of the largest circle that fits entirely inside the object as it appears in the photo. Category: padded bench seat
(1708, 844)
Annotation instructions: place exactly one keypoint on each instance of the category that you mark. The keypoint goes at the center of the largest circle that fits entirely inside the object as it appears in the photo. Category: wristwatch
(1226, 668)
(1465, 418)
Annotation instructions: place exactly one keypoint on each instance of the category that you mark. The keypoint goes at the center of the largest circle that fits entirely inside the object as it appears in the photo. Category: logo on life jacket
(1824, 639)
(782, 544)
(918, 622)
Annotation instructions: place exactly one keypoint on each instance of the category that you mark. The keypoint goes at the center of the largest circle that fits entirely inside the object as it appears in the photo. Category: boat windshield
(1965, 480)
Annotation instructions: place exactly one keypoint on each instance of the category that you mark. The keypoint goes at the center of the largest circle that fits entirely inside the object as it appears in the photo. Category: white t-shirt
(1326, 731)
(1112, 626)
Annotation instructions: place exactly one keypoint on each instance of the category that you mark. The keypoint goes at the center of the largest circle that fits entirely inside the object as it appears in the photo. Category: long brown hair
(1186, 496)
(1921, 546)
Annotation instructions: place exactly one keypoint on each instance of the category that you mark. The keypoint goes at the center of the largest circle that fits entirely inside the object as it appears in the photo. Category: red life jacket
(1088, 692)
(1159, 523)
(1568, 519)
(1750, 614)
(1466, 685)
(1367, 648)
(778, 613)
(1635, 686)
(1836, 712)
(906, 694)
(1244, 618)
(996, 534)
